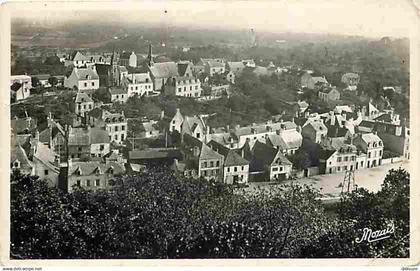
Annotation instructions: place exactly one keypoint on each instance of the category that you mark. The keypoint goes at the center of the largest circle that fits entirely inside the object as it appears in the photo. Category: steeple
(150, 56)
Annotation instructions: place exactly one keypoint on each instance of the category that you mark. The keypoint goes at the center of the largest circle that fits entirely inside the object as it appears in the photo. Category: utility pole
(349, 183)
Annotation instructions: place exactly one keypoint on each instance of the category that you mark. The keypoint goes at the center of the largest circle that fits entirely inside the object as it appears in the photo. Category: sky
(371, 18)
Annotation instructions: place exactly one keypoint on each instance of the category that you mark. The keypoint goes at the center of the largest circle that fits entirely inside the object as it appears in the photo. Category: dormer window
(78, 171)
(16, 164)
(111, 170)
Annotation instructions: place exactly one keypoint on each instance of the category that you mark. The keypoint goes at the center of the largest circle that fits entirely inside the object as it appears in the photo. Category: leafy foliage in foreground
(160, 215)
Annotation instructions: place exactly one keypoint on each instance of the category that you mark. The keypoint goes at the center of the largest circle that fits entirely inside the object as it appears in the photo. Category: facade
(162, 72)
(329, 94)
(149, 130)
(185, 68)
(340, 159)
(139, 83)
(114, 123)
(201, 160)
(373, 146)
(92, 175)
(235, 67)
(288, 140)
(21, 85)
(213, 67)
(118, 95)
(183, 86)
(176, 122)
(315, 130)
(195, 127)
(82, 79)
(309, 81)
(84, 144)
(83, 104)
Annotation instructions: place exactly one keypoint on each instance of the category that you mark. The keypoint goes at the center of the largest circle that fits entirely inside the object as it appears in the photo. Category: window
(97, 182)
(90, 106)
(338, 168)
(116, 137)
(122, 127)
(228, 169)
(211, 163)
(275, 168)
(353, 158)
(235, 169)
(346, 158)
(46, 172)
(205, 172)
(80, 149)
(281, 168)
(93, 84)
(116, 128)
(88, 183)
(242, 167)
(345, 167)
(204, 164)
(101, 147)
(78, 182)
(380, 153)
(196, 87)
(338, 159)
(190, 87)
(179, 89)
(85, 84)
(84, 106)
(122, 137)
(217, 163)
(369, 154)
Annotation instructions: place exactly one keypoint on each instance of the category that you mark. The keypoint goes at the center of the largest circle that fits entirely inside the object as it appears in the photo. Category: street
(329, 184)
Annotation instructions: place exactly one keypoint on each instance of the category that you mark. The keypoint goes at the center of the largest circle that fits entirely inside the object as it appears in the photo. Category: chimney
(162, 114)
(176, 162)
(37, 135)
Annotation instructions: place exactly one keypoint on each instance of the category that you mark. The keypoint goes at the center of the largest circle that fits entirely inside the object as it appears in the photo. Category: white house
(23, 85)
(82, 79)
(138, 83)
(76, 59)
(373, 146)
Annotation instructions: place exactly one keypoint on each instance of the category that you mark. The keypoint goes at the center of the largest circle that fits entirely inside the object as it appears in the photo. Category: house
(138, 83)
(154, 156)
(213, 67)
(235, 167)
(309, 81)
(288, 140)
(314, 130)
(338, 155)
(86, 143)
(372, 145)
(83, 104)
(77, 60)
(351, 80)
(43, 79)
(82, 79)
(114, 123)
(396, 138)
(20, 161)
(45, 162)
(183, 86)
(225, 138)
(329, 94)
(21, 86)
(250, 63)
(124, 59)
(98, 59)
(195, 127)
(201, 160)
(229, 76)
(118, 94)
(260, 131)
(54, 136)
(149, 129)
(92, 175)
(235, 67)
(267, 163)
(185, 68)
(23, 126)
(162, 72)
(176, 122)
(219, 90)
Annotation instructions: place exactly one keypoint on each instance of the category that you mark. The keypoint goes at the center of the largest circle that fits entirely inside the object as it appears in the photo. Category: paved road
(329, 184)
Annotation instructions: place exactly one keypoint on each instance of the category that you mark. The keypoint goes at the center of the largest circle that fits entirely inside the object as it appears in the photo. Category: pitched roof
(86, 74)
(78, 56)
(326, 154)
(41, 76)
(234, 159)
(235, 65)
(319, 79)
(384, 117)
(137, 78)
(93, 167)
(370, 137)
(193, 123)
(82, 97)
(164, 70)
(318, 126)
(261, 128)
(214, 63)
(182, 67)
(78, 136)
(19, 154)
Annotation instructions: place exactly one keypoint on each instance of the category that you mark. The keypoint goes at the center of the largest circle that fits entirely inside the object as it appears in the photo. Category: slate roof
(193, 122)
(84, 73)
(117, 90)
(42, 76)
(93, 167)
(213, 63)
(261, 128)
(370, 137)
(164, 70)
(148, 127)
(137, 78)
(98, 136)
(182, 67)
(82, 97)
(81, 136)
(384, 118)
(19, 154)
(264, 155)
(318, 126)
(326, 154)
(77, 56)
(335, 131)
(235, 65)
(286, 141)
(319, 79)
(234, 159)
